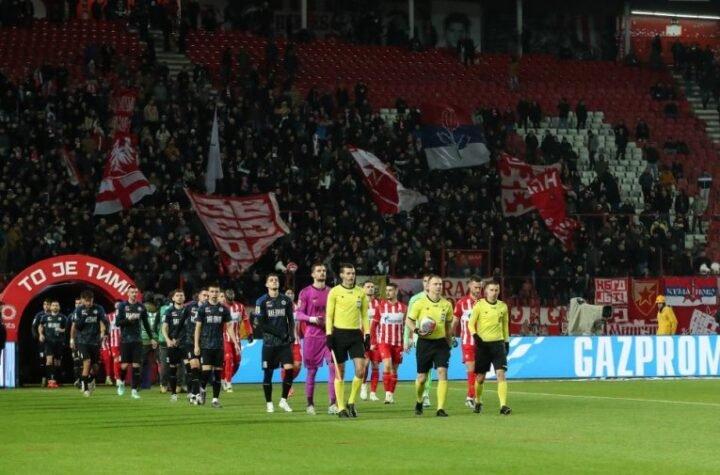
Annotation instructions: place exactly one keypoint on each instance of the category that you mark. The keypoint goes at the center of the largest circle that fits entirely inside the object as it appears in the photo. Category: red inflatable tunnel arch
(70, 268)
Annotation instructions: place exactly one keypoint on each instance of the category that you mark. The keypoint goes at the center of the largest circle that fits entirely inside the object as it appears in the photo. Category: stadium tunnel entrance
(61, 278)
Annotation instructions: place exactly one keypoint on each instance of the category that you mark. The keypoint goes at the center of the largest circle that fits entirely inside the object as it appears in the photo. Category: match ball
(426, 326)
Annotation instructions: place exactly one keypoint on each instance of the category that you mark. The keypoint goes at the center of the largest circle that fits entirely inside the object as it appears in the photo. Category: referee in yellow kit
(490, 328)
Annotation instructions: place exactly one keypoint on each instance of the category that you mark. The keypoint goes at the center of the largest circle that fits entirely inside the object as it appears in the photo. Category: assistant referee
(490, 328)
(433, 348)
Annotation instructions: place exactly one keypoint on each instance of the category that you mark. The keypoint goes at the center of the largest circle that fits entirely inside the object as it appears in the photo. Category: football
(426, 326)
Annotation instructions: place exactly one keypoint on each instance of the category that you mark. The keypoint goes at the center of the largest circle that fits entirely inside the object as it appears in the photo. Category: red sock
(108, 363)
(296, 371)
(471, 384)
(394, 379)
(374, 379)
(228, 369)
(116, 370)
(388, 381)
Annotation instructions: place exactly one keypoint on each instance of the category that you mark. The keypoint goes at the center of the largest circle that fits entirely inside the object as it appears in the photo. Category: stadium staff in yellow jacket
(667, 322)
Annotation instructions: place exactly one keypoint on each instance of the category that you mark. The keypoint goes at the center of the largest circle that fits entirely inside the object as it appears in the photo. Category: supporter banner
(450, 139)
(32, 281)
(7, 366)
(562, 358)
(123, 107)
(389, 195)
(548, 196)
(642, 298)
(702, 323)
(611, 292)
(538, 320)
(241, 228)
(123, 183)
(690, 291)
(514, 176)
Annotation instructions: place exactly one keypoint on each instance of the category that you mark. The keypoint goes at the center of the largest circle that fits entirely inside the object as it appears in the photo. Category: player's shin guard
(205, 378)
(339, 385)
(135, 377)
(195, 380)
(374, 379)
(310, 386)
(471, 384)
(419, 390)
(217, 373)
(387, 381)
(478, 391)
(287, 383)
(502, 392)
(355, 389)
(267, 385)
(173, 379)
(442, 390)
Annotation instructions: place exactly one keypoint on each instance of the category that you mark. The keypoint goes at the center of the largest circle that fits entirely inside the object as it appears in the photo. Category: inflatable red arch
(32, 281)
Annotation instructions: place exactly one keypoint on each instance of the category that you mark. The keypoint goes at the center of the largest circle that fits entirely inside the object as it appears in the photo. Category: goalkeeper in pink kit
(310, 310)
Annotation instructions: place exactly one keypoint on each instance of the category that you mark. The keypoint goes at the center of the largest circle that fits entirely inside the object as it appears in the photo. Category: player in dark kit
(174, 333)
(275, 314)
(36, 335)
(213, 320)
(77, 360)
(186, 334)
(51, 332)
(128, 317)
(89, 327)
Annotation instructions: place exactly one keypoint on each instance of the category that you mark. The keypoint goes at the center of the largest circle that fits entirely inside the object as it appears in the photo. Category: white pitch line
(608, 398)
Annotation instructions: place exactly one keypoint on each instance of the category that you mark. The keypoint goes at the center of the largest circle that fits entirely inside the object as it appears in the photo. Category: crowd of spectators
(275, 139)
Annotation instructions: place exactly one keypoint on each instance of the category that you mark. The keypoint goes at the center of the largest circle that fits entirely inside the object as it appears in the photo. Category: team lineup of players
(329, 326)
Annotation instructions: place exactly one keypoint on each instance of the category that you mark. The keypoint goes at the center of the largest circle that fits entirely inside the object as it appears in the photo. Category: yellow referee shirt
(490, 321)
(347, 309)
(440, 311)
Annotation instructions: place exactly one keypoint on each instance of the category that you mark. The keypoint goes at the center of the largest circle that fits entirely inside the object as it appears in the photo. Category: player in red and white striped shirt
(110, 351)
(463, 309)
(386, 337)
(372, 356)
(238, 314)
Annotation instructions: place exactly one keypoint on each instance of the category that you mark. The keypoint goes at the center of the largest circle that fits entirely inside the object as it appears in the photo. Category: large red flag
(515, 175)
(389, 195)
(241, 228)
(548, 196)
(123, 107)
(123, 183)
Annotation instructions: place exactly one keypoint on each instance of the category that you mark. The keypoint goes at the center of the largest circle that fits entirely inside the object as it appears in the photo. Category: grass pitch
(643, 426)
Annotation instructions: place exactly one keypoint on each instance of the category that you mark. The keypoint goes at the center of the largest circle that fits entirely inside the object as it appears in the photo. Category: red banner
(34, 280)
(548, 196)
(611, 292)
(643, 293)
(123, 107)
(538, 320)
(515, 175)
(690, 291)
(241, 228)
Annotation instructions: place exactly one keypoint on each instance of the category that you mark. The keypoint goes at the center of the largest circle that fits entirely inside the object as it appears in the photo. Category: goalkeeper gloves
(477, 339)
(330, 341)
(250, 338)
(367, 342)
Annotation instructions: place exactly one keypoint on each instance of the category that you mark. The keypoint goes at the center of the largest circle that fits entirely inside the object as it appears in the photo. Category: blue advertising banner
(564, 358)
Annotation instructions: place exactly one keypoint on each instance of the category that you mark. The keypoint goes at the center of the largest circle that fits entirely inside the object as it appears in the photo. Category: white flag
(214, 166)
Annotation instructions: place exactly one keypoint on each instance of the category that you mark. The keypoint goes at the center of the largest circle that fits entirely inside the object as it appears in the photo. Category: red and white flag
(514, 176)
(123, 183)
(389, 195)
(123, 107)
(548, 196)
(241, 228)
(68, 157)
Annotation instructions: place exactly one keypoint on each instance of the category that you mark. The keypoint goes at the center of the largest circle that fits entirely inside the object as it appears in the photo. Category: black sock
(287, 383)
(77, 369)
(135, 377)
(85, 382)
(188, 377)
(267, 385)
(58, 373)
(195, 380)
(205, 378)
(216, 383)
(49, 372)
(173, 379)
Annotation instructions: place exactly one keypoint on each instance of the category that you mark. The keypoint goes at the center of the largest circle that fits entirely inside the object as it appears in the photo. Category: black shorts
(274, 356)
(189, 352)
(432, 354)
(56, 348)
(212, 357)
(89, 352)
(490, 352)
(131, 352)
(348, 342)
(174, 356)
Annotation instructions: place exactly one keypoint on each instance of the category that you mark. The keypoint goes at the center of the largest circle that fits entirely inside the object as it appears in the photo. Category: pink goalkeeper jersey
(312, 303)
